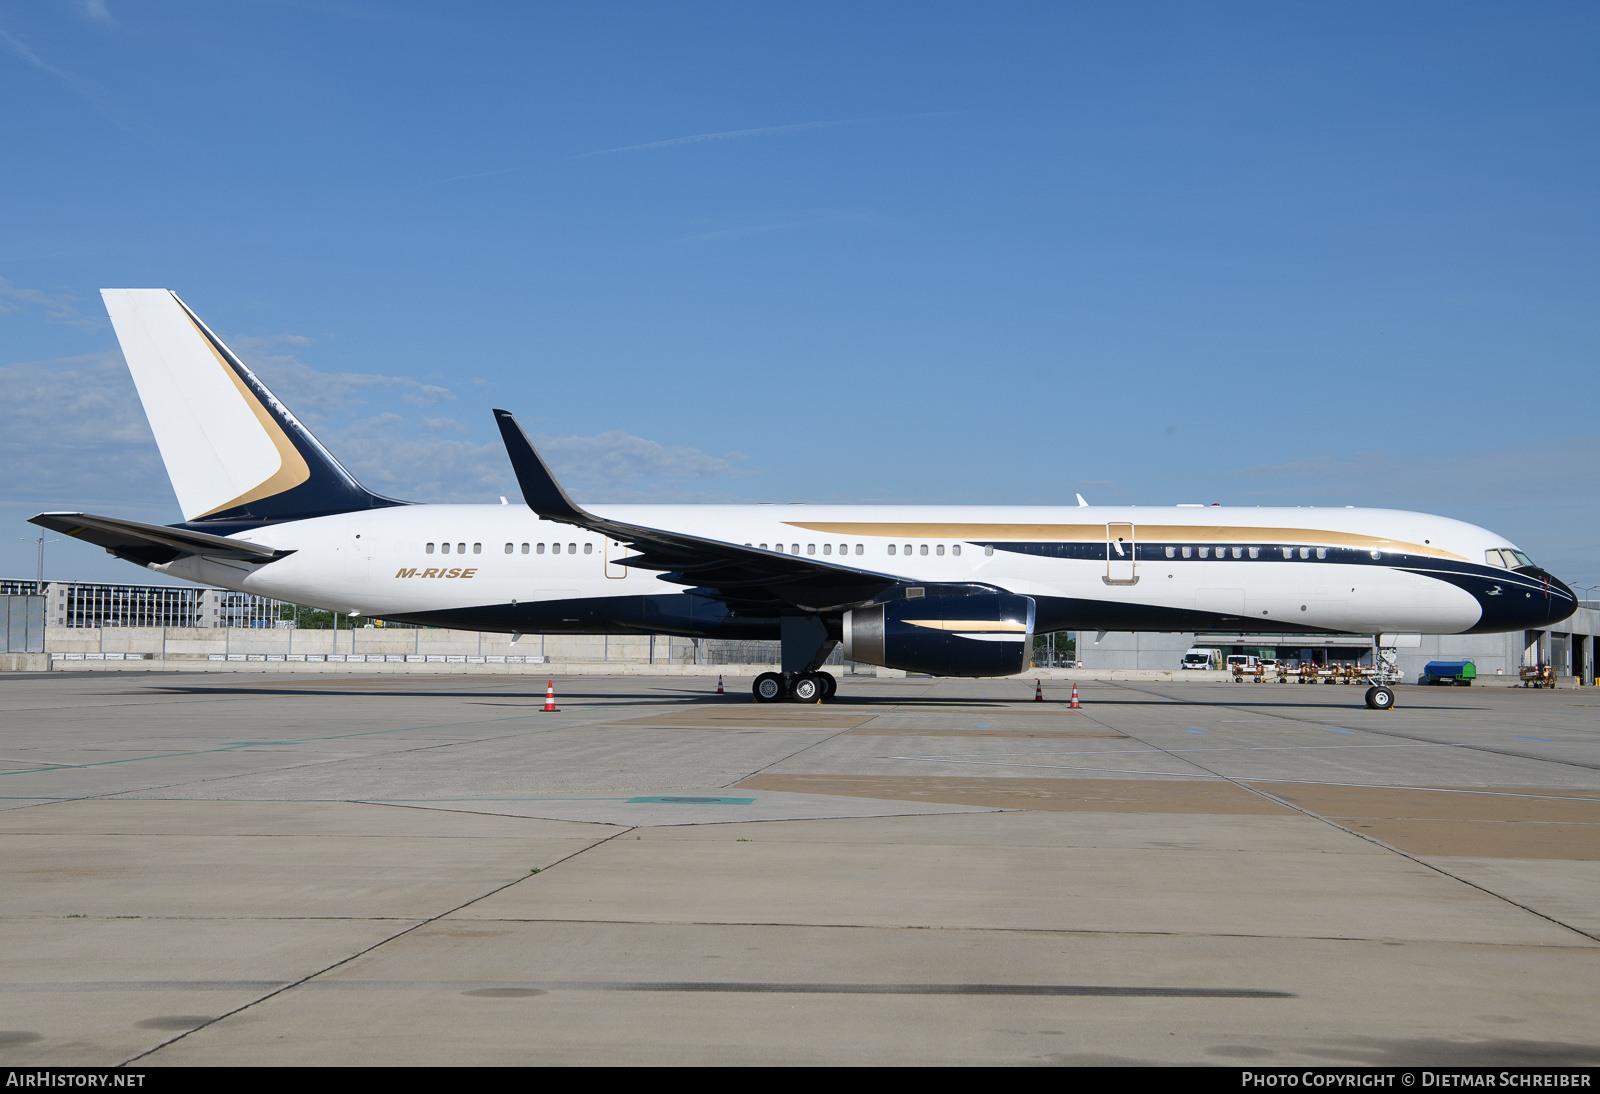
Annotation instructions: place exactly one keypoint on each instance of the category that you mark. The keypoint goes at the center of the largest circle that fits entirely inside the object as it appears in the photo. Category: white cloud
(73, 435)
(302, 387)
(57, 307)
(389, 455)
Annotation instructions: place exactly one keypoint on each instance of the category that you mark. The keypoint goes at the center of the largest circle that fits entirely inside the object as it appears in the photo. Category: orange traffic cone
(1074, 696)
(719, 684)
(550, 699)
(1038, 692)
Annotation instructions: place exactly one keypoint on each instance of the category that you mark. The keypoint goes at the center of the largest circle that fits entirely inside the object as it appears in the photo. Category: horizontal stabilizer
(148, 544)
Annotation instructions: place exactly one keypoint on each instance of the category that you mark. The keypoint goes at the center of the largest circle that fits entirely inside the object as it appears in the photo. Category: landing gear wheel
(768, 688)
(809, 688)
(1380, 698)
(831, 684)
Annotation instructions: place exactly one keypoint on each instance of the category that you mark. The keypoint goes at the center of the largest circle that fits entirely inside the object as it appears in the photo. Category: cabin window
(955, 549)
(859, 549)
(508, 548)
(572, 548)
(988, 550)
(1322, 552)
(908, 548)
(924, 548)
(1255, 552)
(844, 548)
(1205, 552)
(1172, 552)
(939, 550)
(1238, 552)
(461, 548)
(811, 548)
(1186, 552)
(430, 549)
(555, 548)
(794, 548)
(539, 549)
(763, 546)
(444, 548)
(524, 548)
(477, 548)
(1288, 552)
(827, 548)
(891, 548)
(588, 548)
(1305, 552)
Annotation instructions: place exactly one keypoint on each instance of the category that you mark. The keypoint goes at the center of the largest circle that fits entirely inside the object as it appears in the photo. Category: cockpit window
(1511, 560)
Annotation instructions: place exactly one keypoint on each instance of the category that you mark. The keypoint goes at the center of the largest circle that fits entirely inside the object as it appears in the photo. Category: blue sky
(1266, 254)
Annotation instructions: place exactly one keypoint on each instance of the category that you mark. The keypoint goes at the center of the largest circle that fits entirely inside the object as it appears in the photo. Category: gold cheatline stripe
(1096, 533)
(292, 469)
(966, 625)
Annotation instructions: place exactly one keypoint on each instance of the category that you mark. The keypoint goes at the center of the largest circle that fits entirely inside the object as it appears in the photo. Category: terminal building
(1570, 650)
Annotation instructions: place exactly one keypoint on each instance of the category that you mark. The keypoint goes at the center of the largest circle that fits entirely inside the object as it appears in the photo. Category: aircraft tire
(768, 688)
(1380, 698)
(831, 684)
(809, 687)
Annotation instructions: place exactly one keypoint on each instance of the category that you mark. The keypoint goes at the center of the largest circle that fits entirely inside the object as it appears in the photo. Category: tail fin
(233, 451)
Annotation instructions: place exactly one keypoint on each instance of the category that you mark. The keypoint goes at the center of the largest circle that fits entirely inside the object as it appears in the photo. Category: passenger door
(1120, 569)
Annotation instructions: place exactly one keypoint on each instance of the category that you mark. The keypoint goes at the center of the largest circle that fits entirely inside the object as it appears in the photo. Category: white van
(1201, 657)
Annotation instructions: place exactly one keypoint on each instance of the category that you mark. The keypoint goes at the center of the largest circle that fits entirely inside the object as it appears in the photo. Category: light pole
(38, 584)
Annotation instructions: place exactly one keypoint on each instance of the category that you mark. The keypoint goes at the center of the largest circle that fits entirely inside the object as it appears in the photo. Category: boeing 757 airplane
(948, 590)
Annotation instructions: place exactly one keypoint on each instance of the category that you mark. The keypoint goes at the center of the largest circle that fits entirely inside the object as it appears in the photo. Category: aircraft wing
(746, 578)
(145, 544)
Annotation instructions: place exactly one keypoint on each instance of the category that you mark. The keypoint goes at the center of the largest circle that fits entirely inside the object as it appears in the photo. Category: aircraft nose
(1528, 598)
(1563, 601)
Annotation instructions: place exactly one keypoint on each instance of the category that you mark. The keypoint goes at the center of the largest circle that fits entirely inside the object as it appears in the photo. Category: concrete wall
(176, 643)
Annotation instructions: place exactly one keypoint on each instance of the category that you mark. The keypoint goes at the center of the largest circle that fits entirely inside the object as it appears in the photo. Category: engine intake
(982, 635)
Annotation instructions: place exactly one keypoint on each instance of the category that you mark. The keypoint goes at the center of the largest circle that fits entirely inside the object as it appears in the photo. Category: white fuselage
(1345, 570)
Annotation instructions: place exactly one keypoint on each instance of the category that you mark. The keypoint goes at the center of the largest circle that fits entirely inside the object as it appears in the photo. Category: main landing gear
(806, 644)
(803, 687)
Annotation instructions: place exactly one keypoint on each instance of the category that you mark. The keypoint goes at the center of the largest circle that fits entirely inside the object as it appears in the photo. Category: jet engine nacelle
(983, 635)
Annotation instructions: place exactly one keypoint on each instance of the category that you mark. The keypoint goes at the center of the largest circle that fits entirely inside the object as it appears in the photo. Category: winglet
(539, 487)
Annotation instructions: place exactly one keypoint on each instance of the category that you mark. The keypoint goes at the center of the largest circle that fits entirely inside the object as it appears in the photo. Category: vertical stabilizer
(233, 451)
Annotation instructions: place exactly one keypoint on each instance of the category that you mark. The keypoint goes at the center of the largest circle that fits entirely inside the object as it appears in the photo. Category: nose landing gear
(1380, 697)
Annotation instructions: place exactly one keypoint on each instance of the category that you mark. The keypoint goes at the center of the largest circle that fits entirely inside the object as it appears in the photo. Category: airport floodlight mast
(38, 584)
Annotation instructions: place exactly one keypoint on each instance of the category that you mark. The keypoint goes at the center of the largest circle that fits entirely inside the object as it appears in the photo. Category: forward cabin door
(1119, 554)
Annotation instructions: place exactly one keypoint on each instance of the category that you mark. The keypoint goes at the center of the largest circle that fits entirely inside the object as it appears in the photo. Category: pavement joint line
(369, 949)
(1174, 751)
(732, 783)
(300, 741)
(121, 795)
(1379, 732)
(1243, 785)
(967, 928)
